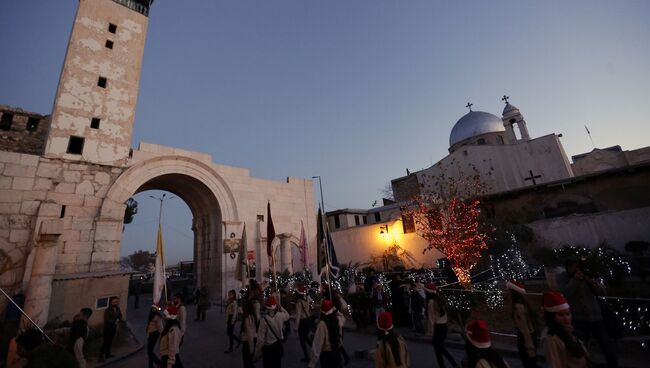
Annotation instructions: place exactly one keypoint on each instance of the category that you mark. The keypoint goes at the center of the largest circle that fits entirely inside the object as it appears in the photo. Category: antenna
(590, 138)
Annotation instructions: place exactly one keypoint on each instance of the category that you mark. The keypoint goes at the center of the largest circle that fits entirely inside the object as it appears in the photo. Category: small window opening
(112, 28)
(365, 220)
(101, 82)
(62, 214)
(357, 220)
(94, 123)
(32, 124)
(5, 122)
(109, 44)
(260, 218)
(337, 222)
(481, 141)
(75, 145)
(377, 217)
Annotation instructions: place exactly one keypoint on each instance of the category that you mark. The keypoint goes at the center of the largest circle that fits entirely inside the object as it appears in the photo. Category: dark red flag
(270, 231)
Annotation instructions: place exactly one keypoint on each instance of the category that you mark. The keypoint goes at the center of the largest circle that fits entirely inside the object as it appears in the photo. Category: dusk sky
(353, 90)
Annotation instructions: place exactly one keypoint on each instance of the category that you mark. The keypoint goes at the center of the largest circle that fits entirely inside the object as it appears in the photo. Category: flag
(320, 238)
(270, 232)
(159, 274)
(304, 247)
(331, 252)
(242, 262)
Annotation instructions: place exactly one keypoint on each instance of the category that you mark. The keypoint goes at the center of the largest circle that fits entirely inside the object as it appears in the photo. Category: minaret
(511, 116)
(94, 108)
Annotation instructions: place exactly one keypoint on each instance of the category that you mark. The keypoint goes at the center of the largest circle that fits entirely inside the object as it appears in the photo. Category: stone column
(285, 252)
(523, 130)
(510, 132)
(41, 273)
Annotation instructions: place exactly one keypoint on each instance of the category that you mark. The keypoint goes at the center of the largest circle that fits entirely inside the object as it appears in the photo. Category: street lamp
(161, 199)
(320, 185)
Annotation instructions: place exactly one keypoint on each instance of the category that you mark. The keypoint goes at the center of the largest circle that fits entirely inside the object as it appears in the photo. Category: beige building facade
(62, 210)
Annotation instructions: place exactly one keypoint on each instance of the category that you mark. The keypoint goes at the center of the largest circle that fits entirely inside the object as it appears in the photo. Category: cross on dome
(469, 106)
(505, 99)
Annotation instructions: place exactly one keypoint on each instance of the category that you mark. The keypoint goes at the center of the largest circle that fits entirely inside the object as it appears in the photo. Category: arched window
(480, 141)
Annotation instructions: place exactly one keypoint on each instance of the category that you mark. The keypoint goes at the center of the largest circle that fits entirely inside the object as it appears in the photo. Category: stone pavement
(206, 341)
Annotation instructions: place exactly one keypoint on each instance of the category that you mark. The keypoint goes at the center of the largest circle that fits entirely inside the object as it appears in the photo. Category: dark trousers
(152, 339)
(330, 359)
(272, 355)
(527, 361)
(596, 329)
(439, 336)
(247, 355)
(109, 333)
(200, 313)
(303, 335)
(417, 322)
(177, 364)
(230, 331)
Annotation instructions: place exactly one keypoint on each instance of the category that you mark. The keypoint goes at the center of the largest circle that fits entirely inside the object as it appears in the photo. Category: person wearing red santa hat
(525, 318)
(170, 340)
(391, 348)
(478, 345)
(305, 323)
(326, 346)
(437, 319)
(269, 335)
(561, 347)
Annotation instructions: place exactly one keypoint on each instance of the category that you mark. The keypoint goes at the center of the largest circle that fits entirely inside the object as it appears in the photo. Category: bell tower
(94, 107)
(511, 117)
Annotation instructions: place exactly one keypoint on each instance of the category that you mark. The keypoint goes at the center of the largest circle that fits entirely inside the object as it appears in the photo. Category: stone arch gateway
(205, 192)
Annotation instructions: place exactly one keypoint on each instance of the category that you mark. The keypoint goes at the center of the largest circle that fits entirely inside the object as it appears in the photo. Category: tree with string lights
(448, 217)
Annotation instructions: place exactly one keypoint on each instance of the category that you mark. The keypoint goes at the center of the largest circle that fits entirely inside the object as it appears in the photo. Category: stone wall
(22, 131)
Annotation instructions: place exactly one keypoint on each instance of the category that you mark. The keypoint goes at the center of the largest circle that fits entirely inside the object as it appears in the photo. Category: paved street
(205, 342)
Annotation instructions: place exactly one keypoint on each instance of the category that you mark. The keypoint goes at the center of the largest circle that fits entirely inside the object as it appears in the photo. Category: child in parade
(391, 348)
(438, 314)
(170, 340)
(154, 328)
(523, 315)
(269, 335)
(327, 340)
(479, 347)
(561, 347)
(231, 319)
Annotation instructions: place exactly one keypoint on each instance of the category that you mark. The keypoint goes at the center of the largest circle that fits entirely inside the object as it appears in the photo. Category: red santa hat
(301, 289)
(478, 334)
(430, 287)
(326, 306)
(516, 286)
(271, 303)
(385, 322)
(171, 312)
(554, 301)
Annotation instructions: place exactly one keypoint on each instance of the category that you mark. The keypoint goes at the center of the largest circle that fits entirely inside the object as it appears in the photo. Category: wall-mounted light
(383, 229)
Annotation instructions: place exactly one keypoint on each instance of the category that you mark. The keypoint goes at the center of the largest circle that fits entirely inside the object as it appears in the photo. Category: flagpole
(25, 314)
(327, 258)
(162, 199)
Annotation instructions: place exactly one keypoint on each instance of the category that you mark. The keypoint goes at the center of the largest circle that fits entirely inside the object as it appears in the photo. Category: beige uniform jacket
(384, 355)
(557, 355)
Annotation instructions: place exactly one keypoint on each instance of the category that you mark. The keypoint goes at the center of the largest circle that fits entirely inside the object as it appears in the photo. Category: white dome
(475, 123)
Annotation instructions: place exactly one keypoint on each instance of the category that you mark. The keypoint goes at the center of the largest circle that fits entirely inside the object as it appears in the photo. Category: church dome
(475, 123)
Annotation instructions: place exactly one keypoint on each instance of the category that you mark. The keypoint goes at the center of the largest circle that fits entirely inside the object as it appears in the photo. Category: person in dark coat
(112, 316)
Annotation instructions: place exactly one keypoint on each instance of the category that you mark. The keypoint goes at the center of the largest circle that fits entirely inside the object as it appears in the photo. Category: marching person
(78, 333)
(327, 340)
(248, 333)
(417, 306)
(303, 316)
(231, 319)
(429, 290)
(112, 316)
(170, 340)
(523, 314)
(154, 328)
(269, 335)
(479, 347)
(438, 315)
(391, 348)
(561, 347)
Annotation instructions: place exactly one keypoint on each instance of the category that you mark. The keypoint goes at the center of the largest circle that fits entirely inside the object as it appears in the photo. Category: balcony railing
(141, 6)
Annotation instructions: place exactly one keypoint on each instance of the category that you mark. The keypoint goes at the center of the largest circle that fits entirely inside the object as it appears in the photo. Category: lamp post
(320, 185)
(161, 199)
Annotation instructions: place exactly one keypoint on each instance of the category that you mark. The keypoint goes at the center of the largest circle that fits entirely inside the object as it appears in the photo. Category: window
(112, 28)
(75, 145)
(94, 123)
(109, 44)
(32, 124)
(260, 218)
(408, 224)
(377, 217)
(62, 214)
(101, 82)
(356, 220)
(337, 222)
(7, 119)
(365, 220)
(481, 141)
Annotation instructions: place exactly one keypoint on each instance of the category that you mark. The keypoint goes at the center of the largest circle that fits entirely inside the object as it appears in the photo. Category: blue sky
(353, 90)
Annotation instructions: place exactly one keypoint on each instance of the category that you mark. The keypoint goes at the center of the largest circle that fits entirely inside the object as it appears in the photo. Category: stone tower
(511, 117)
(94, 108)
